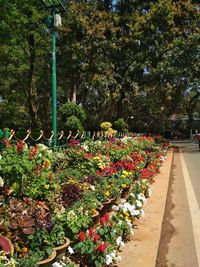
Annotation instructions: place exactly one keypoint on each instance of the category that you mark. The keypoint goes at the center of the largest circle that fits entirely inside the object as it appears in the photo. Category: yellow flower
(24, 249)
(17, 248)
(123, 176)
(126, 213)
(96, 158)
(100, 165)
(125, 173)
(121, 216)
(94, 212)
(123, 186)
(107, 194)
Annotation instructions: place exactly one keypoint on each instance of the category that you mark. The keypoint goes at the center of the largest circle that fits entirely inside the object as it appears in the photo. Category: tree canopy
(136, 60)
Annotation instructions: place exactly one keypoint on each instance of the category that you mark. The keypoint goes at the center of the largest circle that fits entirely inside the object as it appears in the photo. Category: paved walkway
(169, 235)
(180, 237)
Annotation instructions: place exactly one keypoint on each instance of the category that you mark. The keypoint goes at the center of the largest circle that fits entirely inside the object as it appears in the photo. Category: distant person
(198, 139)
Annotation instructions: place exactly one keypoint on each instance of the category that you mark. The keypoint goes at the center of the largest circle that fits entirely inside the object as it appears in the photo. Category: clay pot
(107, 206)
(126, 191)
(61, 250)
(48, 261)
(95, 218)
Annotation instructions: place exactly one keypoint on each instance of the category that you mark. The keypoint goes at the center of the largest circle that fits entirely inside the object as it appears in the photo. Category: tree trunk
(72, 94)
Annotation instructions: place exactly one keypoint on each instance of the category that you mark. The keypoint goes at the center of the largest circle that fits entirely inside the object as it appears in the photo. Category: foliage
(120, 125)
(18, 163)
(71, 193)
(72, 109)
(94, 172)
(73, 124)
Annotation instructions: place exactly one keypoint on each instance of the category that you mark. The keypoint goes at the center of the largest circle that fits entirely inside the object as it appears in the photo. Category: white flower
(129, 223)
(85, 147)
(113, 254)
(138, 203)
(136, 212)
(114, 207)
(70, 249)
(56, 264)
(92, 187)
(119, 240)
(1, 182)
(132, 195)
(108, 260)
(0, 156)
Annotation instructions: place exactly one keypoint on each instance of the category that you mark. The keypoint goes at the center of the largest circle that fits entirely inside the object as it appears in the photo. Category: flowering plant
(97, 247)
(27, 172)
(75, 220)
(6, 260)
(91, 250)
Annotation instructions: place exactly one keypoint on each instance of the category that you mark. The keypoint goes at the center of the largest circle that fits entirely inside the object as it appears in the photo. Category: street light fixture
(53, 21)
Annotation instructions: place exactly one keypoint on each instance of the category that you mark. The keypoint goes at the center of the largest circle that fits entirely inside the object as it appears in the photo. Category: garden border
(142, 249)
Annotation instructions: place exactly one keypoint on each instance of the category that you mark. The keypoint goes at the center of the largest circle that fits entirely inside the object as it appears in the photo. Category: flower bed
(92, 193)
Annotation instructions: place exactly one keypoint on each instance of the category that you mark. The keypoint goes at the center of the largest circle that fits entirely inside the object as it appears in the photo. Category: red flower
(7, 142)
(109, 170)
(91, 232)
(107, 216)
(20, 146)
(102, 220)
(119, 165)
(102, 247)
(93, 235)
(37, 169)
(99, 173)
(73, 143)
(82, 236)
(96, 237)
(33, 152)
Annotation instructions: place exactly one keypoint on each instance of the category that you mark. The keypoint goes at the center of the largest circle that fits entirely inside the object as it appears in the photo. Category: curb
(142, 249)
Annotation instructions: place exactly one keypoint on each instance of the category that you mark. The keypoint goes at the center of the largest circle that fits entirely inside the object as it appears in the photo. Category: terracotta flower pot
(126, 191)
(61, 250)
(95, 218)
(107, 206)
(48, 261)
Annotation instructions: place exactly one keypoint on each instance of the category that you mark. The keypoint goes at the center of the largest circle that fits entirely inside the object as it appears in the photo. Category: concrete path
(180, 237)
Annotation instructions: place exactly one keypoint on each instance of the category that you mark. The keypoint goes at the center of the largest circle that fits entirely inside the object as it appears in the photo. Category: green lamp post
(53, 21)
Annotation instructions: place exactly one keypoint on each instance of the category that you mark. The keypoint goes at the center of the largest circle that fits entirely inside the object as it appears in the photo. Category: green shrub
(71, 109)
(73, 124)
(120, 125)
